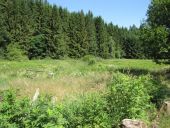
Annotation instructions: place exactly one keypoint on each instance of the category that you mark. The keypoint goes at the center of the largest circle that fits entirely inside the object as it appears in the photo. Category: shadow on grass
(166, 61)
(137, 72)
(133, 71)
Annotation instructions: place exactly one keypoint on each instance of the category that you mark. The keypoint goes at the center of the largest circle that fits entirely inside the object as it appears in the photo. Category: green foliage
(54, 32)
(91, 34)
(88, 111)
(125, 97)
(91, 60)
(128, 98)
(159, 34)
(157, 38)
(19, 113)
(102, 38)
(12, 111)
(2, 53)
(132, 45)
(13, 52)
(44, 114)
(37, 48)
(159, 13)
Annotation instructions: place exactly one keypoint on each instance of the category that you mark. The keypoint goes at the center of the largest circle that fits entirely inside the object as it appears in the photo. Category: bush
(12, 111)
(13, 52)
(128, 98)
(2, 55)
(156, 90)
(88, 111)
(44, 114)
(20, 113)
(91, 60)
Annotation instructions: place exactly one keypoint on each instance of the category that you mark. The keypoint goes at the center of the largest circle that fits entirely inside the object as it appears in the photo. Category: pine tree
(78, 36)
(91, 34)
(57, 47)
(102, 38)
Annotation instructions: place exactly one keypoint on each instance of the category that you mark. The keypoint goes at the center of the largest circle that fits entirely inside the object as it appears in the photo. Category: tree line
(35, 29)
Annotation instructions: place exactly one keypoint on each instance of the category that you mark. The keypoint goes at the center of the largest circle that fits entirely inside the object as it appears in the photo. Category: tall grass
(68, 76)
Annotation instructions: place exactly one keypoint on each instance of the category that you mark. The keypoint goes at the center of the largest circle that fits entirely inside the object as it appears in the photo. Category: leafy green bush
(12, 111)
(128, 98)
(38, 47)
(155, 89)
(13, 52)
(2, 55)
(20, 113)
(88, 111)
(44, 114)
(91, 60)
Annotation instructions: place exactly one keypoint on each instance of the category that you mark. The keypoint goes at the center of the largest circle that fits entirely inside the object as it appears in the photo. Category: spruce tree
(102, 38)
(78, 45)
(91, 34)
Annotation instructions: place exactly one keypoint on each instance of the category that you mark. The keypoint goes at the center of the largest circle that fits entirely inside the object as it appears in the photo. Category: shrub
(38, 47)
(128, 98)
(13, 52)
(12, 111)
(91, 60)
(88, 111)
(157, 91)
(44, 114)
(20, 113)
(2, 55)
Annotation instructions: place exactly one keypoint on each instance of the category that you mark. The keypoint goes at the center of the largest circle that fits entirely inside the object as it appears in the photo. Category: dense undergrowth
(125, 97)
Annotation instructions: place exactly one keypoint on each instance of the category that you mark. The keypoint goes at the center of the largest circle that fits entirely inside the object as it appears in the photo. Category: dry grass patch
(62, 87)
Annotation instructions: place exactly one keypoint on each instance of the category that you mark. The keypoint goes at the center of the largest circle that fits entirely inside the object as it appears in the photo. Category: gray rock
(129, 123)
(167, 107)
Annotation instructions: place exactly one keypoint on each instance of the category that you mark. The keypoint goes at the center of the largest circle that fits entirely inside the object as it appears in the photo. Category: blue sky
(120, 12)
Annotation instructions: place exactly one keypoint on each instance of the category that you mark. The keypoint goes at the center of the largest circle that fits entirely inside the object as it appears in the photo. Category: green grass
(68, 76)
(65, 77)
(136, 64)
(164, 122)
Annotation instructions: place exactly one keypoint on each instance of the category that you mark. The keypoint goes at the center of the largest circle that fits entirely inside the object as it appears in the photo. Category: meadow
(65, 77)
(71, 79)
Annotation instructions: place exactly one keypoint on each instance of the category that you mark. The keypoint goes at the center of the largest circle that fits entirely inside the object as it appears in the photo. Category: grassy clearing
(58, 78)
(67, 77)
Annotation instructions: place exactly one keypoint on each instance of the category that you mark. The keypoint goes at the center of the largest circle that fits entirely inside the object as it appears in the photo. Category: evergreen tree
(78, 45)
(56, 44)
(115, 43)
(102, 38)
(91, 34)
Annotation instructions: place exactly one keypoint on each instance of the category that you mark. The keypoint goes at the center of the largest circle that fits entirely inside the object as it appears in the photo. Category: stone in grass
(165, 109)
(35, 97)
(50, 75)
(129, 123)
